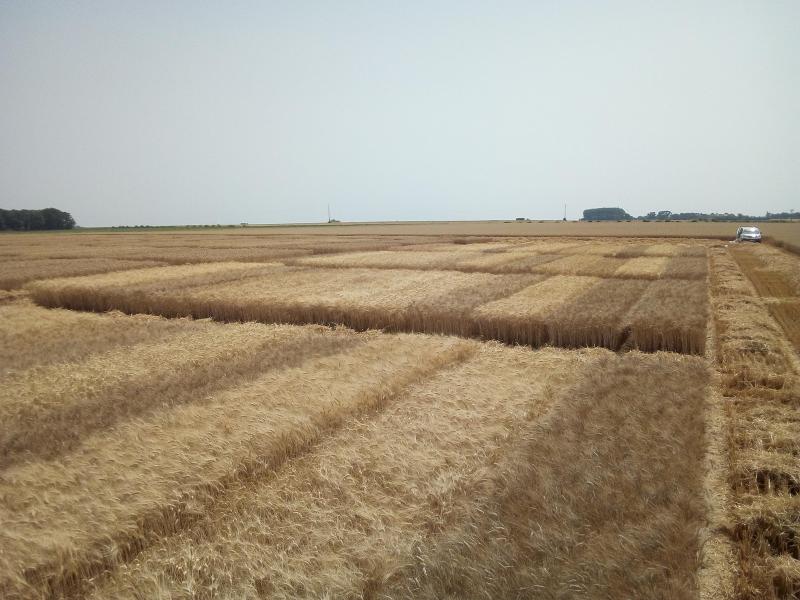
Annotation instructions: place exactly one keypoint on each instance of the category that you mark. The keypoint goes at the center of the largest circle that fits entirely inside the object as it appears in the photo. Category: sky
(146, 112)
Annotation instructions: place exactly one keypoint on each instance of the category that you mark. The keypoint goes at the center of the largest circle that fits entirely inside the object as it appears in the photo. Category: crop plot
(398, 416)
(15, 273)
(528, 309)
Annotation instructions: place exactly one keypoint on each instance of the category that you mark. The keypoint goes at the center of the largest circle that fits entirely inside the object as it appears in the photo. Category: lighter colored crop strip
(14, 273)
(69, 520)
(345, 518)
(48, 410)
(644, 267)
(523, 317)
(31, 335)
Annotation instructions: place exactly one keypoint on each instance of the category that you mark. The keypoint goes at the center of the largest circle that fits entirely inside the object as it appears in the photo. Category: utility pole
(329, 213)
(565, 211)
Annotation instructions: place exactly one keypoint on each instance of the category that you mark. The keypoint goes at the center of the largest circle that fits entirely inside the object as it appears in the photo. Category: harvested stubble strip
(15, 273)
(578, 512)
(774, 272)
(671, 315)
(69, 520)
(596, 317)
(771, 472)
(751, 353)
(48, 410)
(31, 335)
(768, 530)
(523, 318)
(763, 422)
(136, 291)
(787, 314)
(344, 519)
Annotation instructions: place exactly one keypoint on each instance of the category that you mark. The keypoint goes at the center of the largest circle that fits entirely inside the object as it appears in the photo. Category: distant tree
(605, 214)
(35, 220)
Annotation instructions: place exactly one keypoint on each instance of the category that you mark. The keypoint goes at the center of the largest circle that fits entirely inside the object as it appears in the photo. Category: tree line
(618, 214)
(44, 219)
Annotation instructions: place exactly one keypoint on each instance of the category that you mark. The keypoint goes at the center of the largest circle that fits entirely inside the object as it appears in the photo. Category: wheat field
(410, 414)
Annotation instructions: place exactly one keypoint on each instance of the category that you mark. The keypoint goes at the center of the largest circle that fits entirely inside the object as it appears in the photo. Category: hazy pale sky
(175, 112)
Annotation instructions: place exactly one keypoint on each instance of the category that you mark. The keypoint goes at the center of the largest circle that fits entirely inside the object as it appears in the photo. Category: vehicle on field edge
(748, 234)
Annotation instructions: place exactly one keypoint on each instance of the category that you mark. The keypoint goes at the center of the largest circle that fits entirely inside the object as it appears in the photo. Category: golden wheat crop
(71, 400)
(134, 291)
(467, 304)
(344, 520)
(14, 272)
(149, 457)
(385, 260)
(643, 267)
(31, 335)
(523, 317)
(123, 488)
(596, 317)
(670, 315)
(577, 512)
(686, 267)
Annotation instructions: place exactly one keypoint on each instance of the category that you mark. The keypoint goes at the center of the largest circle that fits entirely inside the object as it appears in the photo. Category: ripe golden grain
(577, 512)
(31, 335)
(123, 489)
(14, 273)
(344, 519)
(670, 315)
(643, 267)
(523, 317)
(70, 400)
